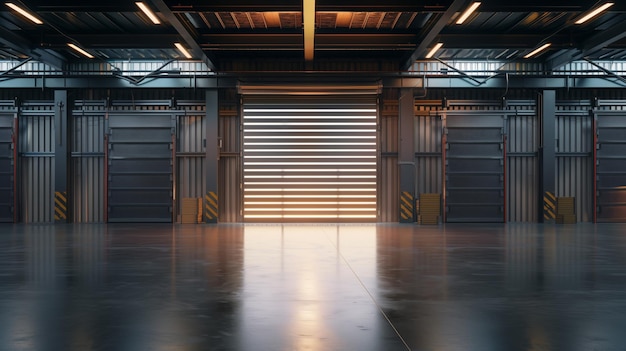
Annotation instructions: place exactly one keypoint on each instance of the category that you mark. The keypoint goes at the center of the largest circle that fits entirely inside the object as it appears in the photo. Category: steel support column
(61, 157)
(547, 160)
(406, 156)
(211, 208)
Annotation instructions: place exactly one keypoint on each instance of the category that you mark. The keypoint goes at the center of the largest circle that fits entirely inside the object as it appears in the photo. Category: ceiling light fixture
(468, 12)
(151, 15)
(432, 51)
(24, 13)
(80, 50)
(594, 13)
(537, 50)
(308, 19)
(182, 49)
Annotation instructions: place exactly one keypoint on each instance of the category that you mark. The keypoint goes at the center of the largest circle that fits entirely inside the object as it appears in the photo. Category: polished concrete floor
(313, 287)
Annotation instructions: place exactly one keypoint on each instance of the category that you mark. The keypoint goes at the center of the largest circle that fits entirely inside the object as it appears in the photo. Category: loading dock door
(140, 166)
(474, 167)
(6, 167)
(310, 159)
(611, 166)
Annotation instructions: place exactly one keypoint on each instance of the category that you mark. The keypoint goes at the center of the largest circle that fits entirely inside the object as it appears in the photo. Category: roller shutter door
(611, 166)
(140, 166)
(6, 167)
(474, 167)
(310, 159)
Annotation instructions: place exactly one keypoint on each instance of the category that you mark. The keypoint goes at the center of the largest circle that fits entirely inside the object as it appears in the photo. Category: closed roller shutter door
(310, 159)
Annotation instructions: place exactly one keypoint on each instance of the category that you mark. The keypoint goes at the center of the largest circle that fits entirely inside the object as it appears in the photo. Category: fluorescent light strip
(182, 50)
(303, 196)
(594, 13)
(313, 117)
(310, 202)
(309, 216)
(309, 163)
(309, 137)
(468, 12)
(308, 144)
(281, 150)
(537, 50)
(310, 123)
(300, 110)
(334, 170)
(432, 52)
(312, 177)
(308, 19)
(24, 13)
(151, 15)
(309, 130)
(314, 190)
(80, 50)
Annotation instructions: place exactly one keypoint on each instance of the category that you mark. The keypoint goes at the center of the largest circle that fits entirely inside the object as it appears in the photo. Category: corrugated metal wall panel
(88, 161)
(229, 168)
(388, 178)
(522, 146)
(428, 133)
(190, 151)
(574, 172)
(37, 134)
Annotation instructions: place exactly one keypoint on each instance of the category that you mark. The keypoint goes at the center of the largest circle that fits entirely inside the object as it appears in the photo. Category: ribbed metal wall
(388, 186)
(190, 151)
(574, 161)
(37, 140)
(88, 176)
(522, 145)
(229, 167)
(428, 131)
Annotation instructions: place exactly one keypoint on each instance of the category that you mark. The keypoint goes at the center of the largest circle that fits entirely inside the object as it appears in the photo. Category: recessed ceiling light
(24, 13)
(468, 12)
(182, 49)
(151, 15)
(80, 50)
(594, 13)
(537, 50)
(432, 51)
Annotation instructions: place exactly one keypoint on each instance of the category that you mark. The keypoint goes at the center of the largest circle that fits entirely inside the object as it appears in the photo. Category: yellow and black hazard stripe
(406, 207)
(60, 206)
(549, 205)
(210, 207)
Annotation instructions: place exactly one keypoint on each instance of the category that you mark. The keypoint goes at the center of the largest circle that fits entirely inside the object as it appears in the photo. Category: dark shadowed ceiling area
(386, 34)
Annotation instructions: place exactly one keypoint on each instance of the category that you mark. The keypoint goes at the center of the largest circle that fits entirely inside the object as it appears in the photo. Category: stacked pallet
(429, 209)
(189, 210)
(565, 211)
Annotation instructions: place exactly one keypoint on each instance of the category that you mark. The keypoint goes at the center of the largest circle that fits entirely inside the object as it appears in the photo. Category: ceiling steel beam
(433, 32)
(588, 47)
(184, 32)
(231, 81)
(17, 43)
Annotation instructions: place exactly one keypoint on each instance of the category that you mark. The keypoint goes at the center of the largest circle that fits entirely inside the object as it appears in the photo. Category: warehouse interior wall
(580, 114)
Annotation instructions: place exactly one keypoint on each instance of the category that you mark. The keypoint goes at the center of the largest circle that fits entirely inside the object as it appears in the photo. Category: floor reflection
(312, 287)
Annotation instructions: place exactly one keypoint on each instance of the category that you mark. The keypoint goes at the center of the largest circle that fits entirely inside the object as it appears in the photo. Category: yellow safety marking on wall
(210, 205)
(549, 205)
(406, 205)
(60, 205)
